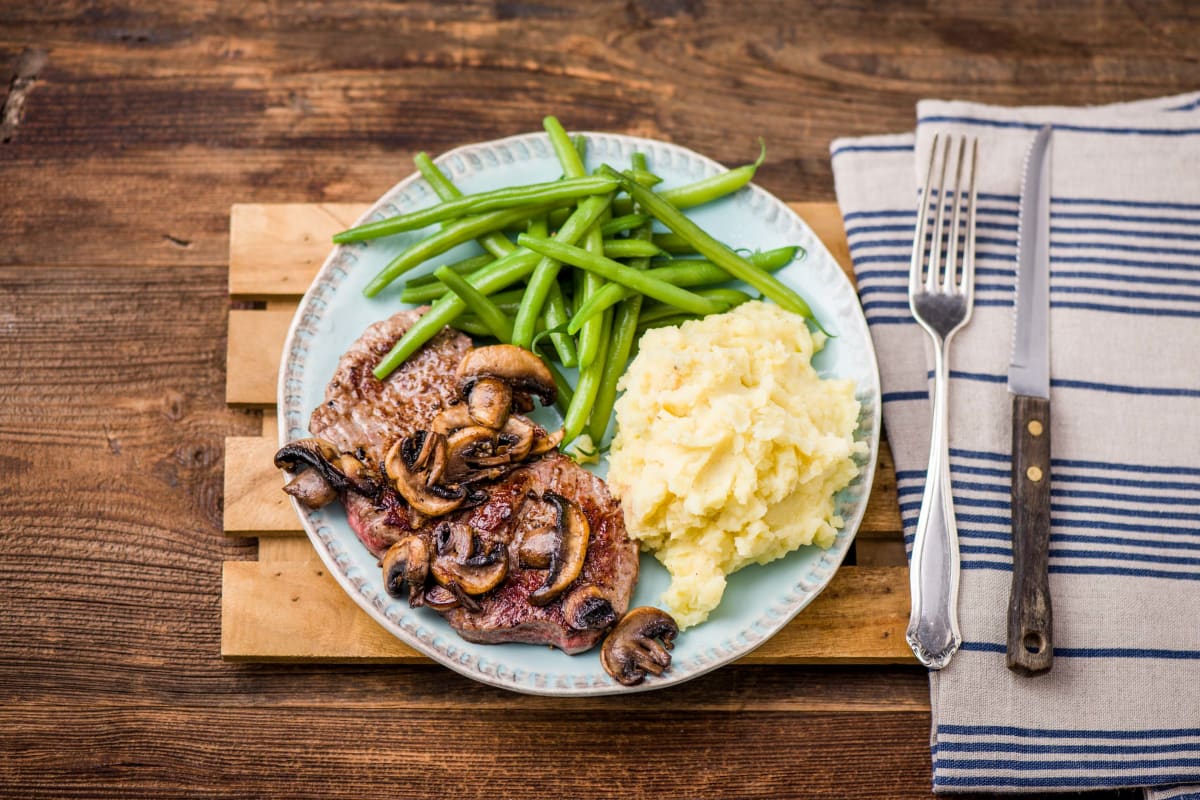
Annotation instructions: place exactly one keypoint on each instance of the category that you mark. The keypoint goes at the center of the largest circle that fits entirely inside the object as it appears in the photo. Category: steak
(366, 417)
(514, 509)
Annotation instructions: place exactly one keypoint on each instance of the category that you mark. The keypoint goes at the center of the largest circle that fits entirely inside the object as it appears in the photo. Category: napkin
(1121, 706)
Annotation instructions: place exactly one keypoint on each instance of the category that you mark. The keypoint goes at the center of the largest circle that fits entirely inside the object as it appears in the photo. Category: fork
(940, 295)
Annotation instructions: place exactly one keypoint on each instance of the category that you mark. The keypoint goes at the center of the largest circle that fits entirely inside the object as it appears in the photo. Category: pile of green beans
(574, 269)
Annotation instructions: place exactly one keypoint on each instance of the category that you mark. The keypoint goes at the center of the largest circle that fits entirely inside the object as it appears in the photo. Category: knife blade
(1030, 631)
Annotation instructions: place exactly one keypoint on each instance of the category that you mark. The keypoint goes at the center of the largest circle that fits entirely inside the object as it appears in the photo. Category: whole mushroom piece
(406, 562)
(323, 472)
(520, 369)
(639, 645)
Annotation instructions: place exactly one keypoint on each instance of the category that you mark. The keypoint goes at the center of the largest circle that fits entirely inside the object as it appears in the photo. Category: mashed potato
(729, 448)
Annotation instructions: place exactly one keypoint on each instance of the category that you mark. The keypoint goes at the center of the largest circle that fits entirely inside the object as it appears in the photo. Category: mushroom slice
(407, 561)
(544, 444)
(490, 402)
(566, 560)
(439, 598)
(517, 437)
(451, 419)
(587, 609)
(314, 454)
(472, 575)
(640, 644)
(430, 500)
(332, 472)
(537, 547)
(418, 449)
(311, 489)
(464, 449)
(521, 369)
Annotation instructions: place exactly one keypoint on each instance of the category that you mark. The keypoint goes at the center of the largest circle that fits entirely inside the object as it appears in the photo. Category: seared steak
(366, 417)
(514, 508)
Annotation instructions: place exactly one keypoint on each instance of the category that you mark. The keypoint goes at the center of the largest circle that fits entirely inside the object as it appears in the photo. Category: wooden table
(126, 135)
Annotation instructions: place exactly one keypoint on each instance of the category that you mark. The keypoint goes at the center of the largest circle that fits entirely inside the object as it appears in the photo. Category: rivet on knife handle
(1030, 631)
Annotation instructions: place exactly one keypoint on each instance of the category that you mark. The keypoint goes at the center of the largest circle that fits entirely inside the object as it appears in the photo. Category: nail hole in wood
(1034, 643)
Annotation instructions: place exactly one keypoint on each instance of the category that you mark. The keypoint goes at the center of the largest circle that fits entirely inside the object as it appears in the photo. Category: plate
(759, 600)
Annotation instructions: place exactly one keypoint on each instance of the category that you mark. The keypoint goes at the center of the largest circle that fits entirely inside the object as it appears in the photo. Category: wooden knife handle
(1030, 639)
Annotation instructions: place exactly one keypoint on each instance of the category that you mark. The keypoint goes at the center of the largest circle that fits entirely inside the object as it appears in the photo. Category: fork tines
(952, 247)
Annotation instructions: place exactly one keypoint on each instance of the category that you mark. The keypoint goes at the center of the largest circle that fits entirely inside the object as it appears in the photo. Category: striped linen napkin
(1121, 706)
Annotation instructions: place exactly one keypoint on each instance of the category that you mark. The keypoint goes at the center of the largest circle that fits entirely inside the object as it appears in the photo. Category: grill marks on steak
(366, 416)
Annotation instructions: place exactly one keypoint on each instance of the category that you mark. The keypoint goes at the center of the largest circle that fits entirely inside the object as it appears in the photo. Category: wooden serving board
(286, 607)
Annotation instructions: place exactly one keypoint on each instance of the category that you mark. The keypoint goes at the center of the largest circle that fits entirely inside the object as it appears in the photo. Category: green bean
(537, 194)
(452, 235)
(471, 325)
(702, 191)
(544, 275)
(622, 224)
(645, 178)
(624, 333)
(493, 242)
(586, 387)
(619, 273)
(554, 315)
(565, 394)
(568, 151)
(714, 187)
(630, 248)
(462, 267)
(485, 309)
(505, 301)
(716, 252)
(682, 273)
(571, 158)
(490, 279)
(731, 297)
(672, 243)
(590, 333)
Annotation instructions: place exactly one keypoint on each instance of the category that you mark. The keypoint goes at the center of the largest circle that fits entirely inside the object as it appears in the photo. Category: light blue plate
(759, 600)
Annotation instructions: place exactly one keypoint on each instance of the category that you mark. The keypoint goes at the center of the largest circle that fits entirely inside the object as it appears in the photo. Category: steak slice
(513, 509)
(365, 416)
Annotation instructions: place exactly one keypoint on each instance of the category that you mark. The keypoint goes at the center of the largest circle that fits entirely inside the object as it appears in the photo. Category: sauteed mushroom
(431, 499)
(521, 369)
(640, 644)
(311, 489)
(490, 402)
(571, 532)
(406, 562)
(323, 472)
(457, 567)
(538, 546)
(587, 609)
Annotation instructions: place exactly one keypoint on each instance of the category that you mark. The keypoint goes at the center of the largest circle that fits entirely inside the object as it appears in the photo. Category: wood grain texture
(140, 128)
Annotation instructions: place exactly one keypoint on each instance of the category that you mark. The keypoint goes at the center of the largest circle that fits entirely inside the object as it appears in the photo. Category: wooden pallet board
(286, 607)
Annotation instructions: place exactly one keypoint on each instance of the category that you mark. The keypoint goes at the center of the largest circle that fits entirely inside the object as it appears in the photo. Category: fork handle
(933, 630)
(1030, 640)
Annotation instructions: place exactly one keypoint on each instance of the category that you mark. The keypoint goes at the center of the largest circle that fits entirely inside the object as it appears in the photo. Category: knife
(1030, 634)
